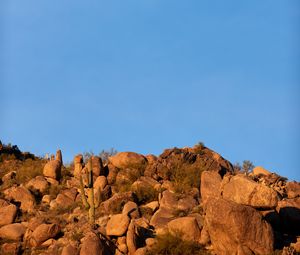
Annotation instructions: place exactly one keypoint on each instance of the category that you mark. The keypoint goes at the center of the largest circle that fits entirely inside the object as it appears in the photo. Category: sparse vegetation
(168, 244)
(145, 194)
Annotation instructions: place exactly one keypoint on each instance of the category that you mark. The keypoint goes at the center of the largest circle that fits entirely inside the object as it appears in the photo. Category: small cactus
(90, 202)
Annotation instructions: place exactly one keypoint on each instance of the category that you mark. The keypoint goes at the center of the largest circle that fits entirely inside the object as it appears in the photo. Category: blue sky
(148, 75)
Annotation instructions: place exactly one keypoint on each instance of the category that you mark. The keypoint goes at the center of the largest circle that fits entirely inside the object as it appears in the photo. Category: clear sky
(148, 75)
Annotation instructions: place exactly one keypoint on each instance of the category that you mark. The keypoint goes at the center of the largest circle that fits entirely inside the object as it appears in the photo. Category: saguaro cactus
(89, 201)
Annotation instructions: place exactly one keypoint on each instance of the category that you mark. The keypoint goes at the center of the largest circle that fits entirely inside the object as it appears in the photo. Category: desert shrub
(168, 244)
(29, 169)
(199, 148)
(247, 166)
(53, 190)
(145, 194)
(77, 234)
(105, 154)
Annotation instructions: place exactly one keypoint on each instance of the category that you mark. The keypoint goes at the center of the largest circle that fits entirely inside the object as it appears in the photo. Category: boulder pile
(191, 193)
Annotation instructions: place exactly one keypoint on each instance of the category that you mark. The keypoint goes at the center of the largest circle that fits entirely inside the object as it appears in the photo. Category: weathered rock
(128, 160)
(44, 232)
(141, 251)
(38, 183)
(52, 168)
(237, 229)
(97, 166)
(69, 250)
(116, 202)
(293, 189)
(131, 238)
(173, 201)
(66, 197)
(22, 195)
(9, 176)
(210, 185)
(243, 190)
(117, 225)
(258, 170)
(187, 226)
(91, 244)
(7, 214)
(13, 231)
(161, 218)
(154, 205)
(100, 183)
(78, 165)
(112, 173)
(131, 209)
(10, 249)
(289, 211)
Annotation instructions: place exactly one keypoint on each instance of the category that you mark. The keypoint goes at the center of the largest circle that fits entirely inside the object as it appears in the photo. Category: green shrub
(145, 194)
(168, 244)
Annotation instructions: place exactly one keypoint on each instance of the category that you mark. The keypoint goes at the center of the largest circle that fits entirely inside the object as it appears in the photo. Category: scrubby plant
(168, 244)
(247, 166)
(145, 194)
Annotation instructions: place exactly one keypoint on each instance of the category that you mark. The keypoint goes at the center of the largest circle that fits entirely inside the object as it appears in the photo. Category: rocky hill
(185, 201)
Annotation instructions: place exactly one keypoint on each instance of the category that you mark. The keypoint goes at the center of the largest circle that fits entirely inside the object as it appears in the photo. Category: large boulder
(100, 183)
(22, 195)
(237, 229)
(7, 214)
(43, 232)
(78, 165)
(117, 225)
(210, 185)
(187, 226)
(258, 170)
(97, 166)
(13, 231)
(242, 190)
(66, 197)
(38, 183)
(128, 160)
(52, 168)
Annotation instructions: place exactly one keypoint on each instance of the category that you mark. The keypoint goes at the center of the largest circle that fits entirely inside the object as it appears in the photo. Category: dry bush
(168, 244)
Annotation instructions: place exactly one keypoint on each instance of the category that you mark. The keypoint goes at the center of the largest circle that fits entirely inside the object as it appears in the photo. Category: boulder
(22, 195)
(100, 183)
(128, 160)
(237, 229)
(210, 185)
(10, 249)
(7, 214)
(66, 197)
(293, 189)
(289, 212)
(97, 166)
(187, 226)
(52, 168)
(13, 231)
(242, 190)
(38, 183)
(43, 232)
(78, 165)
(112, 173)
(131, 238)
(91, 244)
(131, 209)
(258, 170)
(69, 250)
(161, 218)
(117, 225)
(116, 202)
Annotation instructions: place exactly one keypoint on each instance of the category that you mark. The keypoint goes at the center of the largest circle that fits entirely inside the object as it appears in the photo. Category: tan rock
(131, 209)
(237, 229)
(66, 197)
(114, 204)
(141, 251)
(38, 183)
(210, 185)
(10, 249)
(100, 183)
(78, 165)
(161, 218)
(154, 205)
(7, 214)
(22, 195)
(128, 160)
(112, 173)
(243, 190)
(52, 168)
(187, 226)
(293, 189)
(13, 231)
(69, 250)
(259, 170)
(92, 245)
(131, 238)
(97, 166)
(117, 225)
(44, 232)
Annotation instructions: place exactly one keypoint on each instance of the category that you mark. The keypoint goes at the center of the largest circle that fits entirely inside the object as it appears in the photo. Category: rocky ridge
(192, 194)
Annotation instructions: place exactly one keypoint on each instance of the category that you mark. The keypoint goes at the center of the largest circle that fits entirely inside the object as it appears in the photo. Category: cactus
(90, 202)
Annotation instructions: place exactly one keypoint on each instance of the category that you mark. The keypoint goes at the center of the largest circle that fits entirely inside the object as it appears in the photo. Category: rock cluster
(143, 197)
